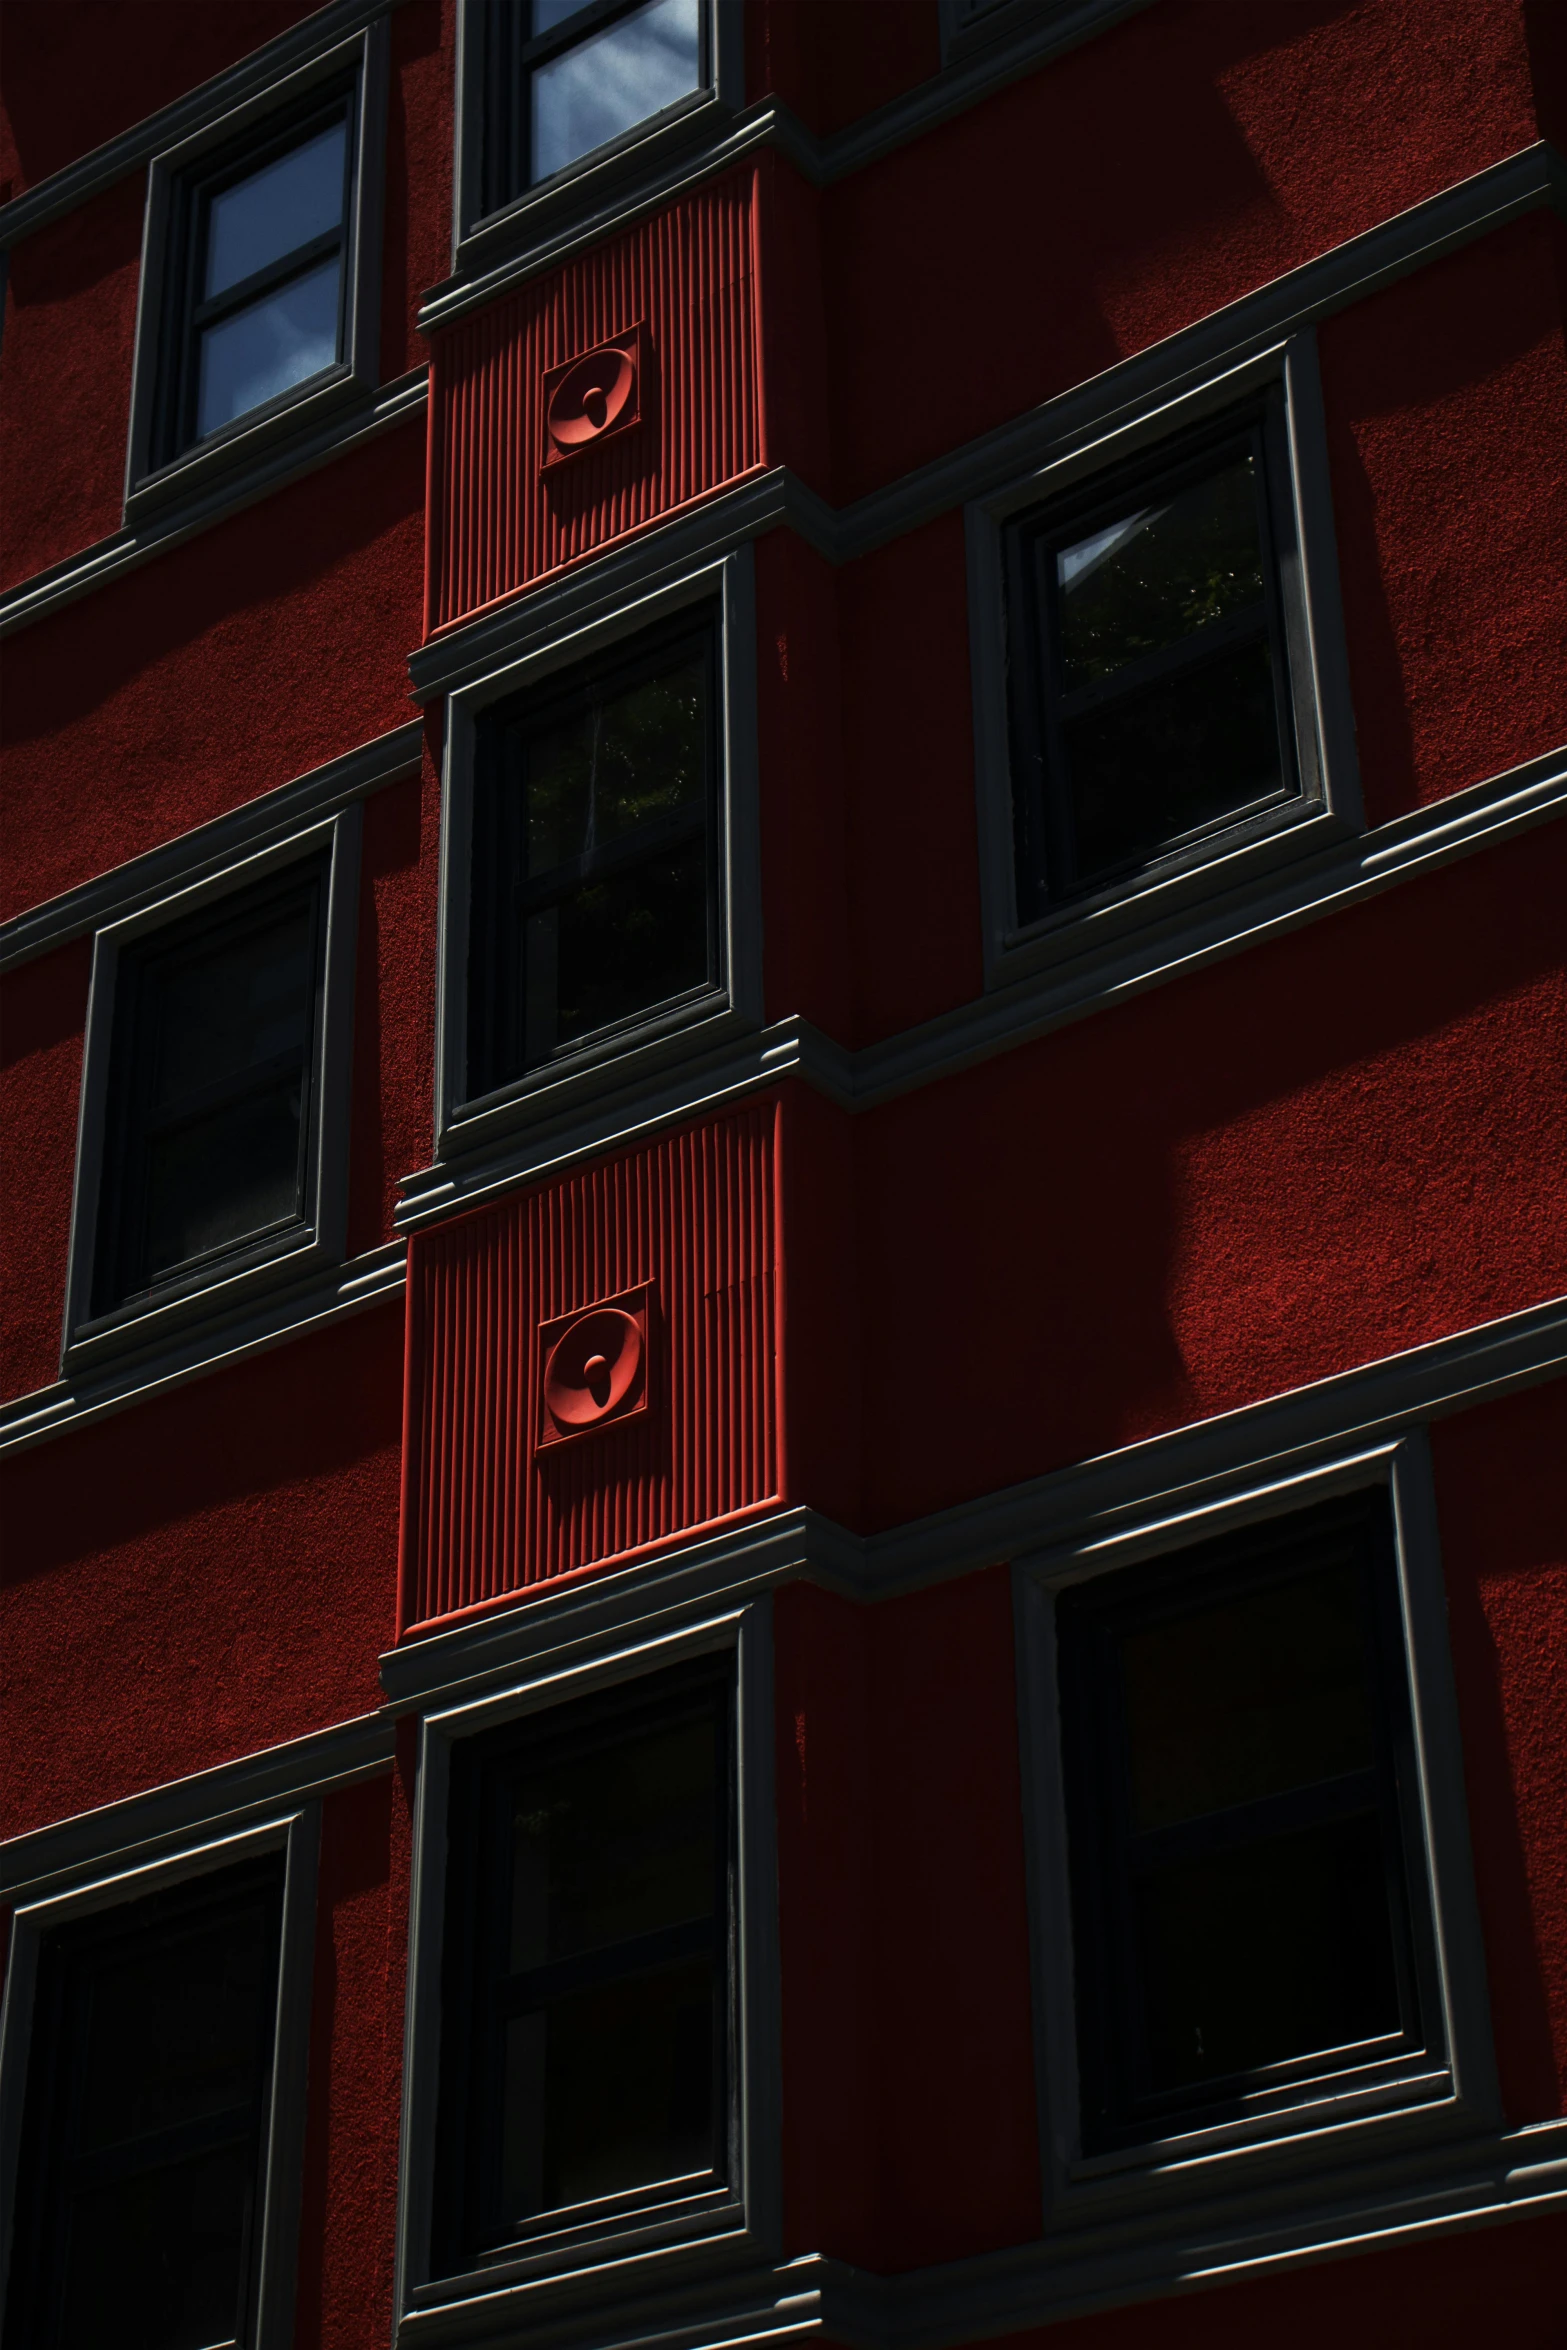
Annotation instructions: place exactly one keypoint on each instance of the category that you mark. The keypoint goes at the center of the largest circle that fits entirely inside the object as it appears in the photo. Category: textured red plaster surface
(143, 58)
(43, 1007)
(66, 382)
(1500, 1495)
(394, 1008)
(418, 216)
(805, 917)
(218, 671)
(348, 2219)
(217, 1567)
(1501, 2286)
(1269, 133)
(1345, 1143)
(1447, 410)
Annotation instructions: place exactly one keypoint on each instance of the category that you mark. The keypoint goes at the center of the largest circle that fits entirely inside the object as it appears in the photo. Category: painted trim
(971, 27)
(635, 2251)
(1140, 2191)
(139, 1828)
(318, 1301)
(280, 2169)
(154, 1322)
(352, 379)
(90, 174)
(734, 1002)
(210, 849)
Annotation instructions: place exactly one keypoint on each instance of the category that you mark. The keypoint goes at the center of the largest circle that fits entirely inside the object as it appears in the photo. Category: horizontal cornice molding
(63, 190)
(209, 848)
(297, 1310)
(33, 1864)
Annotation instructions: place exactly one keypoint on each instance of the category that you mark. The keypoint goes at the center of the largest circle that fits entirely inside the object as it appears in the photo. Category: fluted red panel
(499, 521)
(485, 1512)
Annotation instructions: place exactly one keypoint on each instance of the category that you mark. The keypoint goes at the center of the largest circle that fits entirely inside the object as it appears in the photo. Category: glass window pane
(1265, 1692)
(626, 762)
(235, 1007)
(617, 947)
(1140, 584)
(213, 1180)
(605, 85)
(610, 2089)
(175, 2032)
(615, 1844)
(1170, 758)
(1254, 1956)
(547, 14)
(276, 210)
(157, 2262)
(267, 347)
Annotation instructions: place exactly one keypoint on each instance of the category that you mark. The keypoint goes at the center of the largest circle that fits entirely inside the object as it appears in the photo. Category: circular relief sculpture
(590, 398)
(593, 1368)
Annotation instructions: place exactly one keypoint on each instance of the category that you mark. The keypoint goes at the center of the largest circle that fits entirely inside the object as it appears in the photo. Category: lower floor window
(148, 2084)
(587, 1997)
(1252, 1925)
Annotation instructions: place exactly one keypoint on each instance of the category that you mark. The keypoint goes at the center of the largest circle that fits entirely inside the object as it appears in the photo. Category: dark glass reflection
(276, 209)
(1142, 583)
(267, 348)
(156, 2261)
(611, 81)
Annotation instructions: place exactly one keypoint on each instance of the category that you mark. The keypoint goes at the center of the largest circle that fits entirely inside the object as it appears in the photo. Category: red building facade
(784, 1021)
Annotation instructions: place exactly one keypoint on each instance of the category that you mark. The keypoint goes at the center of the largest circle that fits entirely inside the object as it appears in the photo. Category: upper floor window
(595, 818)
(141, 2180)
(1152, 694)
(565, 80)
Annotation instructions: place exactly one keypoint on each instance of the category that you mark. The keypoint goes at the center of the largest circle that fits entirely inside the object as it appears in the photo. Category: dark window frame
(1116, 2112)
(510, 59)
(478, 1990)
(1045, 880)
(227, 1276)
(495, 955)
(165, 464)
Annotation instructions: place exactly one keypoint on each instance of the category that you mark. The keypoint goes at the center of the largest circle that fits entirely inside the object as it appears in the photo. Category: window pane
(1272, 1951)
(610, 2089)
(619, 77)
(157, 2262)
(1171, 758)
(277, 209)
(217, 1178)
(1268, 1691)
(617, 947)
(549, 13)
(1145, 582)
(626, 762)
(235, 1007)
(615, 1844)
(175, 2032)
(263, 349)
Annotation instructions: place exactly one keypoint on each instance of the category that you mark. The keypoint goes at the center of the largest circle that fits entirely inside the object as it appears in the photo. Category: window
(565, 79)
(1152, 707)
(1252, 1925)
(213, 1139)
(260, 274)
(141, 2183)
(594, 858)
(589, 2070)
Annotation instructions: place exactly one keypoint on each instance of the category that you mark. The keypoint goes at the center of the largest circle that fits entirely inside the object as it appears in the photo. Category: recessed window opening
(1242, 1806)
(148, 2085)
(261, 275)
(566, 79)
(212, 1109)
(589, 1969)
(595, 823)
(1151, 704)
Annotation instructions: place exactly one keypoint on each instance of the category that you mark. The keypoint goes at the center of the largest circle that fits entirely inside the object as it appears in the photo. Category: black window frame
(494, 994)
(187, 314)
(103, 1321)
(510, 59)
(40, 2219)
(1114, 2113)
(1046, 883)
(478, 1990)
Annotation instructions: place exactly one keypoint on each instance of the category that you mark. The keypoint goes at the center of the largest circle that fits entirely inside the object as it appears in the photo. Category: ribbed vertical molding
(496, 520)
(484, 1513)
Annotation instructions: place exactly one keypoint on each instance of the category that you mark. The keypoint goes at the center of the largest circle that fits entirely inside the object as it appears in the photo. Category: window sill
(211, 467)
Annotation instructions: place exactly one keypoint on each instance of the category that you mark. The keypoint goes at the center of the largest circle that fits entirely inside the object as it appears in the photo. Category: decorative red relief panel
(592, 1366)
(638, 361)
